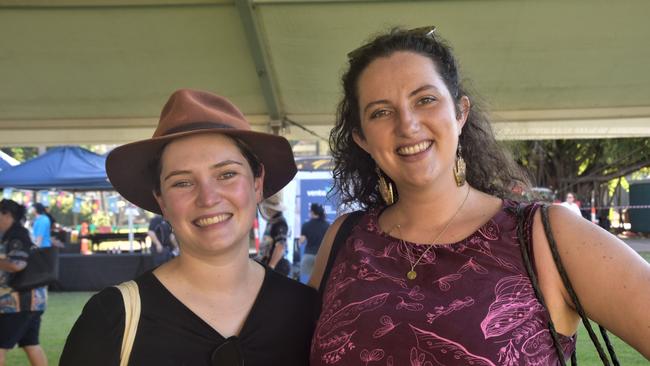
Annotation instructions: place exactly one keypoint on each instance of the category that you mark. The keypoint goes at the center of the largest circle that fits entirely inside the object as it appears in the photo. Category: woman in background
(20, 312)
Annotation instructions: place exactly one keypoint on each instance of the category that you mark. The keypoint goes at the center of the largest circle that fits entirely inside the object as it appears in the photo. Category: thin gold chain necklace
(412, 274)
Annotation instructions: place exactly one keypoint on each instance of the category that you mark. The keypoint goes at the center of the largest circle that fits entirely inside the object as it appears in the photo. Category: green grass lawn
(65, 307)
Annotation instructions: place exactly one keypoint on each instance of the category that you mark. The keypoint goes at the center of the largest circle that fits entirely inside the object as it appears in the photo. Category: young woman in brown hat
(205, 171)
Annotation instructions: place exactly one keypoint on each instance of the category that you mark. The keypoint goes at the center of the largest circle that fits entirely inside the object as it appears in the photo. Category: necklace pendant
(411, 275)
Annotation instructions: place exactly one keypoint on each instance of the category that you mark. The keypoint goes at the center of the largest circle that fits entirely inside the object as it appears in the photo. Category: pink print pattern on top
(446, 352)
(373, 315)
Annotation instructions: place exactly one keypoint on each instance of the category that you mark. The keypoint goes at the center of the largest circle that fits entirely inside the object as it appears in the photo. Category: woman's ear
(465, 106)
(161, 202)
(360, 140)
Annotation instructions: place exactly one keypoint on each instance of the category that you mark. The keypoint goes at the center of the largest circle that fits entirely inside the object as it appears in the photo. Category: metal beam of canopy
(263, 67)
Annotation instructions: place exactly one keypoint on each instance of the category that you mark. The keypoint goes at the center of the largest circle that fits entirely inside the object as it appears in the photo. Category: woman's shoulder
(107, 302)
(279, 282)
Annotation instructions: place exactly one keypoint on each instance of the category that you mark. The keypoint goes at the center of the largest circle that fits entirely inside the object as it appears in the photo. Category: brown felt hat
(188, 112)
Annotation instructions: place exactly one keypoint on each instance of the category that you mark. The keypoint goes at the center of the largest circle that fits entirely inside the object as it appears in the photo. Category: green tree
(581, 165)
(21, 154)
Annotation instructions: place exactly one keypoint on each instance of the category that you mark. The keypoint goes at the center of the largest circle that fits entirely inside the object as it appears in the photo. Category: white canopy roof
(98, 71)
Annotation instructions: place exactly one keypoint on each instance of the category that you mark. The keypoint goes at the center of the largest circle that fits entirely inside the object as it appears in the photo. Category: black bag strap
(523, 244)
(341, 236)
(525, 254)
(574, 297)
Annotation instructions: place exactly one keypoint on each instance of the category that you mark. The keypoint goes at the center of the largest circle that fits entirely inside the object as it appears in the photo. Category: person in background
(431, 271)
(20, 312)
(42, 227)
(312, 233)
(570, 203)
(205, 171)
(163, 240)
(273, 246)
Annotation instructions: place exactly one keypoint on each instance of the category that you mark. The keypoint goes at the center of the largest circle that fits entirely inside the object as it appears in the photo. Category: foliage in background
(21, 154)
(581, 165)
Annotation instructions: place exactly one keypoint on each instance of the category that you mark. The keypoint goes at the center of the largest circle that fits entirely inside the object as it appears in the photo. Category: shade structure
(70, 168)
(99, 71)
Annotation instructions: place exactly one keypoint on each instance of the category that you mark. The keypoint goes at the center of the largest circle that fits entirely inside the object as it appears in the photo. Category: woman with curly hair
(441, 267)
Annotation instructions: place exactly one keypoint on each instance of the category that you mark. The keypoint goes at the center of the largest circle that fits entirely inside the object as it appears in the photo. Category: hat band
(196, 126)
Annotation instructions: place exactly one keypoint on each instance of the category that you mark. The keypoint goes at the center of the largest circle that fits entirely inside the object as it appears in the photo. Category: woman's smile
(212, 220)
(414, 149)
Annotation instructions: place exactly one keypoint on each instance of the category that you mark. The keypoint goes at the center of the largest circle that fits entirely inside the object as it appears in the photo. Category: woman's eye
(181, 183)
(227, 175)
(426, 100)
(379, 113)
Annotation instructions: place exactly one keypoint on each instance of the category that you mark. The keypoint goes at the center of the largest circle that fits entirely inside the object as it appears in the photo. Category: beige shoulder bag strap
(131, 296)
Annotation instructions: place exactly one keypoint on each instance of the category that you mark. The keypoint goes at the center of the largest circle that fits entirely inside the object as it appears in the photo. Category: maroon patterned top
(472, 302)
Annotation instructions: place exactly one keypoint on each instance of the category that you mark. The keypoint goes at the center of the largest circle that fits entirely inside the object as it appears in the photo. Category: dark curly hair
(490, 168)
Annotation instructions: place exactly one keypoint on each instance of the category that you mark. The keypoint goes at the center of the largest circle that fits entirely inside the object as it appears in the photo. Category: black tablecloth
(93, 272)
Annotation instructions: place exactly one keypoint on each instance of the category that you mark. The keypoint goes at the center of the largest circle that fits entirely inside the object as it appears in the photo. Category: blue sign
(7, 192)
(44, 198)
(112, 204)
(76, 205)
(315, 191)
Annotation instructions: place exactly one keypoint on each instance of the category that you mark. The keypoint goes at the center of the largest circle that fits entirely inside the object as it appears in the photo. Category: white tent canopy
(98, 71)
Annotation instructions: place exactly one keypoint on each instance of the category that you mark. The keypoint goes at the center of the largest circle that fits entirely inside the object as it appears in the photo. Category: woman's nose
(208, 194)
(407, 123)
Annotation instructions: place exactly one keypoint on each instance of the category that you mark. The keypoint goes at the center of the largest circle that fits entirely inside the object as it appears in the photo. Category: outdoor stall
(77, 170)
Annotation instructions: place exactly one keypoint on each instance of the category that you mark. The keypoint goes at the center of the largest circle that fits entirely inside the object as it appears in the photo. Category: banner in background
(315, 191)
(44, 198)
(76, 206)
(112, 204)
(7, 192)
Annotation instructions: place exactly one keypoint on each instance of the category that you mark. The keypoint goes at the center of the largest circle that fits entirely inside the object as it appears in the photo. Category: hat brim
(128, 166)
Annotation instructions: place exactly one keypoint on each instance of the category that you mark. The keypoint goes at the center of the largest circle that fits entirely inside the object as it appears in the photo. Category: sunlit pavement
(638, 244)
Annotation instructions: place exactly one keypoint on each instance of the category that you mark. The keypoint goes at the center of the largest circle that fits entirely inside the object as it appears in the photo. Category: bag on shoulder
(524, 245)
(132, 308)
(42, 269)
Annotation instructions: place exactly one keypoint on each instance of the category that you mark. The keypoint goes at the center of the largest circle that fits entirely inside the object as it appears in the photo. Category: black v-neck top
(277, 330)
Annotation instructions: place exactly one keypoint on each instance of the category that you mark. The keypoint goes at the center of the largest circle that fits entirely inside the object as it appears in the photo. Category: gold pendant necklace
(412, 274)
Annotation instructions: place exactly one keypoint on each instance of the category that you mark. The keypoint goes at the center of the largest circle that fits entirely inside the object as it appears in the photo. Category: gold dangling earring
(460, 167)
(385, 188)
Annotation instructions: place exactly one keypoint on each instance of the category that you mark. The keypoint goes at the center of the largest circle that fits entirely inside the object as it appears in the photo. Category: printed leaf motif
(414, 306)
(387, 326)
(444, 283)
(540, 342)
(350, 313)
(372, 356)
(473, 266)
(444, 351)
(514, 305)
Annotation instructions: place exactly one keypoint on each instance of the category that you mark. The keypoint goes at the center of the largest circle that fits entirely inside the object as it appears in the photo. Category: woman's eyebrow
(214, 166)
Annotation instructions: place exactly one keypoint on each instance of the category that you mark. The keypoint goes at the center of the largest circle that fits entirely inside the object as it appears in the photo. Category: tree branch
(604, 178)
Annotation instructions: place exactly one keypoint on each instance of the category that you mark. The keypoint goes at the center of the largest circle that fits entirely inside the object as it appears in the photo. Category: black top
(277, 331)
(314, 230)
(15, 246)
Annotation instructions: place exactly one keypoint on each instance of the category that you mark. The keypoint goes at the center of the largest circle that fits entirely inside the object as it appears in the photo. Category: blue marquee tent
(68, 168)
